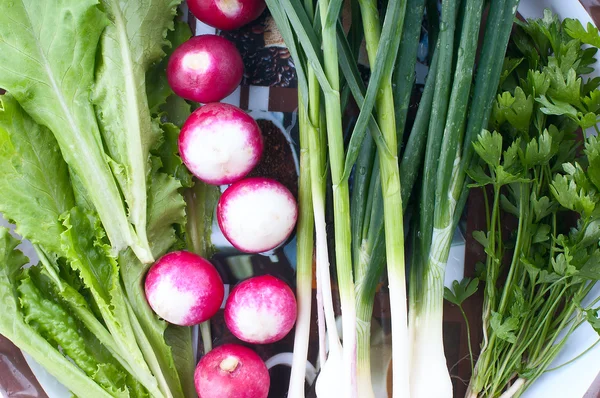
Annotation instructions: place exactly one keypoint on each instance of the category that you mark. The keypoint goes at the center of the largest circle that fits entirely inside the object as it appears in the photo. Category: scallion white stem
(392, 204)
(305, 229)
(341, 204)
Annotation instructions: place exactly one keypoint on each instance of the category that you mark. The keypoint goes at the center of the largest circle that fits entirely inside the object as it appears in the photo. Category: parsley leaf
(489, 147)
(461, 290)
(516, 110)
(593, 319)
(592, 151)
(575, 29)
(504, 329)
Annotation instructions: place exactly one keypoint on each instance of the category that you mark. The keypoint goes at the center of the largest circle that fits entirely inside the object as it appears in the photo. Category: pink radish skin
(220, 143)
(261, 310)
(184, 288)
(226, 14)
(232, 371)
(257, 214)
(205, 68)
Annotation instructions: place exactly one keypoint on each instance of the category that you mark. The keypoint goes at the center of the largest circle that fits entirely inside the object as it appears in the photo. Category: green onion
(444, 190)
(305, 244)
(341, 197)
(390, 177)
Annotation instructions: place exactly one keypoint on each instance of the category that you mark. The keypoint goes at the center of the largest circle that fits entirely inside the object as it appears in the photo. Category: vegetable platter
(302, 198)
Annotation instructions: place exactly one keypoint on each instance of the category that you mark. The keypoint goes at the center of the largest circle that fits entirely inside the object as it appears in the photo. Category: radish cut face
(184, 289)
(206, 68)
(232, 371)
(257, 214)
(220, 143)
(226, 14)
(261, 310)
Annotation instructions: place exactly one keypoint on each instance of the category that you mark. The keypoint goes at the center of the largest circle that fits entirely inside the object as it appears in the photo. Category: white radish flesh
(220, 143)
(261, 310)
(184, 288)
(257, 214)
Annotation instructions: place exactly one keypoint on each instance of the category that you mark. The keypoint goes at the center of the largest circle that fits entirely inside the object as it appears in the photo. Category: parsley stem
(462, 311)
(517, 255)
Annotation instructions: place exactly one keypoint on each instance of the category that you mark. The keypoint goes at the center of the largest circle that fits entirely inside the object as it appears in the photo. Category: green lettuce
(132, 41)
(90, 257)
(34, 182)
(90, 174)
(157, 86)
(36, 190)
(14, 327)
(50, 319)
(47, 59)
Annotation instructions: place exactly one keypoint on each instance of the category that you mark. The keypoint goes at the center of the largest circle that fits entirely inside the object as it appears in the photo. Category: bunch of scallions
(384, 167)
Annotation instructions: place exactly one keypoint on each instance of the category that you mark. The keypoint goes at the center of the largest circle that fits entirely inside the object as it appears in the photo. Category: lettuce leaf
(166, 206)
(157, 85)
(179, 338)
(201, 202)
(168, 153)
(153, 328)
(69, 102)
(61, 291)
(166, 220)
(13, 326)
(131, 42)
(34, 179)
(88, 254)
(57, 326)
(47, 58)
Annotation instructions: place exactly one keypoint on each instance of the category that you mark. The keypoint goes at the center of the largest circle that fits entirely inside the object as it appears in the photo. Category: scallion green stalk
(440, 198)
(392, 201)
(329, 12)
(288, 14)
(427, 356)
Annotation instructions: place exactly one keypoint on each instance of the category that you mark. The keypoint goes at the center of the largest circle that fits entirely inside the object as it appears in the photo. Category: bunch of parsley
(534, 167)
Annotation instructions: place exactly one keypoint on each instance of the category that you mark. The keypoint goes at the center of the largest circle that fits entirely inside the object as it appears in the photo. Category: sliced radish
(205, 68)
(232, 371)
(257, 214)
(184, 289)
(261, 310)
(226, 14)
(220, 143)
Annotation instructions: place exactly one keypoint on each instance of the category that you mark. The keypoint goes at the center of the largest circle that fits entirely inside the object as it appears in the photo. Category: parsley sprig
(533, 166)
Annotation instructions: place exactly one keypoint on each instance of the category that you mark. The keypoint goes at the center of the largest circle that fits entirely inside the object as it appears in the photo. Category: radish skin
(226, 14)
(257, 214)
(261, 310)
(184, 288)
(220, 143)
(206, 68)
(232, 371)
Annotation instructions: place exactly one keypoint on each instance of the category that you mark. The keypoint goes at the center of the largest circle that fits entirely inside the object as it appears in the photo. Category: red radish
(232, 371)
(226, 14)
(220, 143)
(184, 288)
(205, 68)
(261, 310)
(257, 214)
